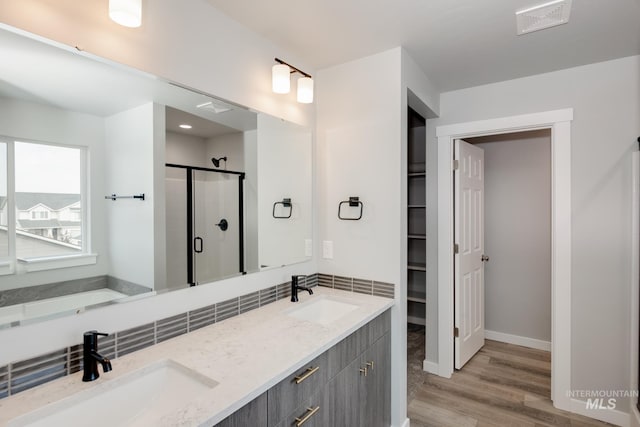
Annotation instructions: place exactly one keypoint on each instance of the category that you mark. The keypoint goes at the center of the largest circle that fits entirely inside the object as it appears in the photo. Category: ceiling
(458, 43)
(201, 128)
(44, 73)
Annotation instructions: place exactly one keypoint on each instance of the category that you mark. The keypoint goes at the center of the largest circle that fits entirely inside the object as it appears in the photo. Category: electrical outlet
(308, 247)
(327, 249)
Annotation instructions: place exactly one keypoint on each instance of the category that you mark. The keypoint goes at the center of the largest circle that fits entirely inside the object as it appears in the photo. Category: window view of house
(48, 200)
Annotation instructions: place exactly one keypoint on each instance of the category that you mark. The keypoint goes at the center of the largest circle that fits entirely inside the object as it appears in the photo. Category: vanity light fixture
(281, 81)
(126, 12)
(305, 90)
(185, 126)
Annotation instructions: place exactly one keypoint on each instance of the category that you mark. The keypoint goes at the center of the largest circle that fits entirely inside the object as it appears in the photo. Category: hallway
(502, 385)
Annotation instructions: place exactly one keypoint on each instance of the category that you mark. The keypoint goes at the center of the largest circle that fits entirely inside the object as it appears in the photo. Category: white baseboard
(518, 340)
(431, 367)
(406, 423)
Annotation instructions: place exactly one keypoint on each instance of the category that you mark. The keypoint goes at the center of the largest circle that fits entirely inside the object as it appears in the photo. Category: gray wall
(518, 233)
(606, 123)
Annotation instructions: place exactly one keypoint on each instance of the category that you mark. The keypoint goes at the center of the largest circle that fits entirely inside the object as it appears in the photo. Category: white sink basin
(322, 309)
(141, 398)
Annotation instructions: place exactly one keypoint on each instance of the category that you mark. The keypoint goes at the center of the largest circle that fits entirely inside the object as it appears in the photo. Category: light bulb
(305, 90)
(281, 78)
(126, 12)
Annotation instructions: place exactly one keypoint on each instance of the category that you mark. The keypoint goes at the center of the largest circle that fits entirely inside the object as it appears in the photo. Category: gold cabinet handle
(310, 413)
(310, 371)
(370, 365)
(363, 371)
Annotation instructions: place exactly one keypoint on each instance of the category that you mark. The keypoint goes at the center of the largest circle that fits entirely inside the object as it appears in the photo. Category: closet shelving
(417, 219)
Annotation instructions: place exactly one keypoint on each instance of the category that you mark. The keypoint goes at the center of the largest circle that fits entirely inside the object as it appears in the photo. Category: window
(43, 185)
(39, 215)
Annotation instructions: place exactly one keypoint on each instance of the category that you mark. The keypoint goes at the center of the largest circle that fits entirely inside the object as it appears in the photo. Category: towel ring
(286, 203)
(353, 202)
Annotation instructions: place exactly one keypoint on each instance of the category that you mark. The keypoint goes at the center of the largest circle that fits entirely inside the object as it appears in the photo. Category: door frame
(559, 122)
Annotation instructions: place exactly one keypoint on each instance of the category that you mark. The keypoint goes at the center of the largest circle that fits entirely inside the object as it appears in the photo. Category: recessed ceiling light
(185, 126)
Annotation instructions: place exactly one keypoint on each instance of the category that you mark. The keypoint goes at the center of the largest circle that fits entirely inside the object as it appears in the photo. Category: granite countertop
(246, 355)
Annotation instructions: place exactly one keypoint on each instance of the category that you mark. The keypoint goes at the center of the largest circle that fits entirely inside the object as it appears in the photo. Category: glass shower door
(217, 234)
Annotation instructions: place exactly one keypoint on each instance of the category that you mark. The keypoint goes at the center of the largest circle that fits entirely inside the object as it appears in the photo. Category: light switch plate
(308, 247)
(327, 249)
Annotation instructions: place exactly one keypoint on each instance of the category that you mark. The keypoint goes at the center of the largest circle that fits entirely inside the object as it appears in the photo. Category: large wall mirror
(117, 185)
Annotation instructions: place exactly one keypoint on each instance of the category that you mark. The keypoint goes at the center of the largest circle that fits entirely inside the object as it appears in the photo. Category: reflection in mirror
(76, 130)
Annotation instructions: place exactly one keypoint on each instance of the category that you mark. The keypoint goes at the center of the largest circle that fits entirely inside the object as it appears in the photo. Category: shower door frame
(190, 237)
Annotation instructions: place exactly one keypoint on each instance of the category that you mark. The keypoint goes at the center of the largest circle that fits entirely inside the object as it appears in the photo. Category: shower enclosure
(205, 224)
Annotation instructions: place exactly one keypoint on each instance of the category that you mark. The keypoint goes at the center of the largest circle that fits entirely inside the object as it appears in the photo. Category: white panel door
(469, 266)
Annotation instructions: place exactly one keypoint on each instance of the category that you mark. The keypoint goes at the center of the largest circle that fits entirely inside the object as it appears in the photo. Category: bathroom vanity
(323, 361)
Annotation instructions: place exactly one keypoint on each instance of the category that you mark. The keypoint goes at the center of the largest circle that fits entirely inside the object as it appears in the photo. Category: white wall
(359, 154)
(284, 171)
(184, 149)
(231, 146)
(38, 122)
(606, 123)
(517, 224)
(130, 170)
(361, 151)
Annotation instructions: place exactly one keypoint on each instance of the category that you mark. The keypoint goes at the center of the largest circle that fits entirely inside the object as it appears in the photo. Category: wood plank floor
(502, 385)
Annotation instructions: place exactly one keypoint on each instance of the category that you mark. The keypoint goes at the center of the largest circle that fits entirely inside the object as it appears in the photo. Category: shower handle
(195, 245)
(223, 224)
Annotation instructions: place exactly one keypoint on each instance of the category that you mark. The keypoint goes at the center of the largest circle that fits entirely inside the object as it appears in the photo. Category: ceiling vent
(216, 108)
(543, 16)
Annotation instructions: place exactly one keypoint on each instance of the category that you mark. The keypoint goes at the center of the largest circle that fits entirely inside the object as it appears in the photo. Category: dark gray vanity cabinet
(252, 414)
(360, 394)
(348, 385)
(375, 387)
(285, 398)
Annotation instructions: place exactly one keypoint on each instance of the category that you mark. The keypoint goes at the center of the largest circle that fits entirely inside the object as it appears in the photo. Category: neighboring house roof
(54, 201)
(27, 224)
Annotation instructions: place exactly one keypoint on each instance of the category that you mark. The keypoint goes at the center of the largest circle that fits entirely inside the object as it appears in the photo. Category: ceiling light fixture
(126, 12)
(281, 81)
(186, 126)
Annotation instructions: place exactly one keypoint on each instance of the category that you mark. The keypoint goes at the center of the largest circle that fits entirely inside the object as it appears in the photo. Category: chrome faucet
(91, 357)
(295, 286)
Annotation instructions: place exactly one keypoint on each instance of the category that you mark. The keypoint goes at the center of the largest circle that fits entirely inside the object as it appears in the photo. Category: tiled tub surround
(39, 303)
(246, 354)
(29, 373)
(58, 289)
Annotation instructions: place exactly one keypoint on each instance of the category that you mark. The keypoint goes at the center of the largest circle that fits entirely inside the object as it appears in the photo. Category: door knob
(485, 258)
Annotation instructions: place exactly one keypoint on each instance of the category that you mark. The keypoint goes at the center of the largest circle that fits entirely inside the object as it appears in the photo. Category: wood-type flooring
(502, 385)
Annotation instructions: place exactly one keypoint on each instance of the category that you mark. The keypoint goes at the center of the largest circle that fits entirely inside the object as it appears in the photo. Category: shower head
(216, 162)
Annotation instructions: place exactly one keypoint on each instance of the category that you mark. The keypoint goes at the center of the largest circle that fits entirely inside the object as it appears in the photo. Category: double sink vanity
(324, 360)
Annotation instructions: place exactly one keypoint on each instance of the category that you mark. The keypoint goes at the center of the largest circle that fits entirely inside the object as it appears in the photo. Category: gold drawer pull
(307, 374)
(363, 371)
(370, 365)
(310, 413)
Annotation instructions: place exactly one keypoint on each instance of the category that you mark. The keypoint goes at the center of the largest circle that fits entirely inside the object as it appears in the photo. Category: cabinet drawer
(313, 412)
(286, 396)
